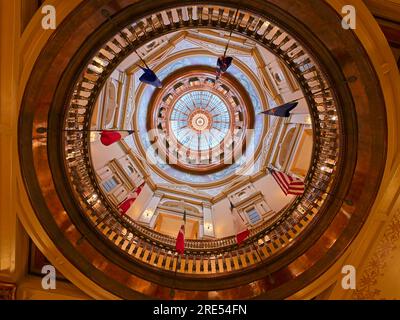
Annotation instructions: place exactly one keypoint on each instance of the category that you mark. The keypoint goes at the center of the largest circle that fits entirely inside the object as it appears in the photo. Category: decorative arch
(33, 224)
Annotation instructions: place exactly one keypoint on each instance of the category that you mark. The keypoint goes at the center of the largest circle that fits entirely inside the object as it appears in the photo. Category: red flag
(242, 232)
(109, 137)
(138, 191)
(125, 205)
(241, 236)
(180, 240)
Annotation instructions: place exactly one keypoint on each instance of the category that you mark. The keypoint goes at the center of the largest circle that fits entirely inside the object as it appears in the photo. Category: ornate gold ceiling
(312, 232)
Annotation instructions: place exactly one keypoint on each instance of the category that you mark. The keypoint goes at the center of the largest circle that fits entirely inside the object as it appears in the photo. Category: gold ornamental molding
(377, 263)
(366, 248)
(29, 46)
(289, 265)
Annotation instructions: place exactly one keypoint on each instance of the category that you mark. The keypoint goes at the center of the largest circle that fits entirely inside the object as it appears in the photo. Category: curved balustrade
(203, 256)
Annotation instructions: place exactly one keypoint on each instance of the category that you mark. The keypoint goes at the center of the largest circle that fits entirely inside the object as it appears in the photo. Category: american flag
(288, 184)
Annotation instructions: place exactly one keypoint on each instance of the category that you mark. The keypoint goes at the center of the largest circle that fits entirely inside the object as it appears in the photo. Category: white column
(201, 229)
(149, 215)
(208, 223)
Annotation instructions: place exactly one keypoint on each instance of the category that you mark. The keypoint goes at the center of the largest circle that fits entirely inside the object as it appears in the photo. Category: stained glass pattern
(200, 120)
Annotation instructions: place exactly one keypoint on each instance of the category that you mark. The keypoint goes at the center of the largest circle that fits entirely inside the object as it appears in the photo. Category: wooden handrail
(202, 256)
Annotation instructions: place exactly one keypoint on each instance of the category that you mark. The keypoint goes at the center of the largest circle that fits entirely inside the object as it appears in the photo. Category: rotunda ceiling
(239, 132)
(83, 189)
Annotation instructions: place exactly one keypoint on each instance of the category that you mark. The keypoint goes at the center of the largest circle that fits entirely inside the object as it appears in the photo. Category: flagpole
(97, 130)
(44, 130)
(230, 34)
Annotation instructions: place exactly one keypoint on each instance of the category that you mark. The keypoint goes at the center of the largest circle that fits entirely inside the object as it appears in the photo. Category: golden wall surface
(375, 253)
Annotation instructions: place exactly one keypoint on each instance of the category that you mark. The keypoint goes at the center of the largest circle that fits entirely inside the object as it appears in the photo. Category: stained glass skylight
(200, 120)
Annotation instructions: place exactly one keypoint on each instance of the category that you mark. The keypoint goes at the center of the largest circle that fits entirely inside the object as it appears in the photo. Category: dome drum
(199, 124)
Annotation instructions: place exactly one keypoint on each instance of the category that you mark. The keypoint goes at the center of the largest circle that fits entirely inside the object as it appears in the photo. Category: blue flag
(282, 110)
(223, 63)
(150, 77)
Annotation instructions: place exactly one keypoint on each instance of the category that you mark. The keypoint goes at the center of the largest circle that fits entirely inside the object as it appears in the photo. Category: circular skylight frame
(200, 120)
(195, 162)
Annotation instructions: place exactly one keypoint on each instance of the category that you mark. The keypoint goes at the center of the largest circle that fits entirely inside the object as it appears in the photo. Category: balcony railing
(218, 256)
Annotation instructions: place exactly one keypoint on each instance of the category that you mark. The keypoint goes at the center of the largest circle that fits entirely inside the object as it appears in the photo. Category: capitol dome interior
(191, 149)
